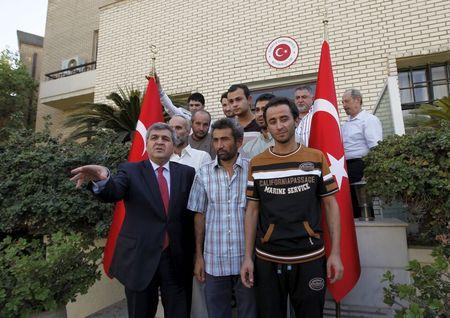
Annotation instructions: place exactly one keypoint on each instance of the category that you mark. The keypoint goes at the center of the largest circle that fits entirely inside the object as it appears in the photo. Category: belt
(354, 160)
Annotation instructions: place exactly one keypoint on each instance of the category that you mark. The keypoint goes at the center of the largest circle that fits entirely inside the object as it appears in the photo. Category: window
(94, 45)
(283, 91)
(424, 84)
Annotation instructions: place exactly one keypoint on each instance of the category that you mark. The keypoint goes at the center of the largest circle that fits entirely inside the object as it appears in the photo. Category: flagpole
(325, 22)
(153, 52)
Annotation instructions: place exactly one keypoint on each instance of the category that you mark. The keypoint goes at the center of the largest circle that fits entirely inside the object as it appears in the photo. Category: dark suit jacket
(140, 241)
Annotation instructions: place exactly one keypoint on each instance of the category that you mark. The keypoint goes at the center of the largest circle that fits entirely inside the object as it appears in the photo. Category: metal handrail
(71, 71)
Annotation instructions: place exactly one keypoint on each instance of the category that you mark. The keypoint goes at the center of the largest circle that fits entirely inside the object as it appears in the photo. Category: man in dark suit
(155, 245)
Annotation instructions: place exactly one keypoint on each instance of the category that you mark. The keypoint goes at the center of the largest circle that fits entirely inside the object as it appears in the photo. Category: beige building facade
(396, 52)
(31, 52)
(207, 46)
(69, 62)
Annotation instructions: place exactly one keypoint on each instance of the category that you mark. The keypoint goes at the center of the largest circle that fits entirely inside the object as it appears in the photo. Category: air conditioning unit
(72, 62)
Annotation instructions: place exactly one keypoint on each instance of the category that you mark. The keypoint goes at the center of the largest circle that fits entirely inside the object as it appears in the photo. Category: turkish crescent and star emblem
(337, 165)
(282, 52)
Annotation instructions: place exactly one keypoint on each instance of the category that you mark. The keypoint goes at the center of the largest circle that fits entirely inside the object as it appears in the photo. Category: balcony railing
(71, 71)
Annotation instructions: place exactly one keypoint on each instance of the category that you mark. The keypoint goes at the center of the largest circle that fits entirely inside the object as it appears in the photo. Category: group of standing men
(237, 204)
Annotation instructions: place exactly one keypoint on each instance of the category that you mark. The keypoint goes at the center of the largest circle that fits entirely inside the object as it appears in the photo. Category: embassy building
(397, 53)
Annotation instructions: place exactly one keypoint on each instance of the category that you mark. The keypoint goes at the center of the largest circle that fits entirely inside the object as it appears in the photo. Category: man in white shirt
(195, 101)
(304, 98)
(183, 152)
(361, 132)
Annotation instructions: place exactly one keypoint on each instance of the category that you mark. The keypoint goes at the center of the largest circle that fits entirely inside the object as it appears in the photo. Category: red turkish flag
(325, 135)
(151, 112)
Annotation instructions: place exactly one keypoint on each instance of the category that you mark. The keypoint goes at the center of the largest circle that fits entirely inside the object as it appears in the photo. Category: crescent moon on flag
(140, 128)
(277, 52)
(323, 105)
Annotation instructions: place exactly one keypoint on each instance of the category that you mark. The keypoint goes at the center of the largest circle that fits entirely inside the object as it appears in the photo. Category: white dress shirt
(171, 109)
(360, 133)
(191, 157)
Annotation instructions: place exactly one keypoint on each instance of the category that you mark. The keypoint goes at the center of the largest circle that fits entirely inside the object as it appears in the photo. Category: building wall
(384, 114)
(69, 32)
(26, 56)
(207, 45)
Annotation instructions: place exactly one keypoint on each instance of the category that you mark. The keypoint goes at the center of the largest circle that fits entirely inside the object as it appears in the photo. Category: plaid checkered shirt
(222, 200)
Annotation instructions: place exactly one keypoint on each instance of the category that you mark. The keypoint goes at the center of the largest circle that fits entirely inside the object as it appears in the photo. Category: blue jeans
(218, 297)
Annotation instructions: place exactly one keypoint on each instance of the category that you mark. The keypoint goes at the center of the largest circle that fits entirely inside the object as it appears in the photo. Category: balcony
(64, 89)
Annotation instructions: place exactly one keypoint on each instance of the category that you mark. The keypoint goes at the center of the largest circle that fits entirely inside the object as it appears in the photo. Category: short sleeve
(327, 184)
(373, 131)
(198, 199)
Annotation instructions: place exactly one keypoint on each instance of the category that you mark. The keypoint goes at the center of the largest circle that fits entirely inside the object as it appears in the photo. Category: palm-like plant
(432, 115)
(122, 117)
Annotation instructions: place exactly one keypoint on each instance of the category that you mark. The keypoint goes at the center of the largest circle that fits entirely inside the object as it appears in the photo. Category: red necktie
(164, 189)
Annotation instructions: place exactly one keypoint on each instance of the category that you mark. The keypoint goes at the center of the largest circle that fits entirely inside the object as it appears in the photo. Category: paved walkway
(119, 310)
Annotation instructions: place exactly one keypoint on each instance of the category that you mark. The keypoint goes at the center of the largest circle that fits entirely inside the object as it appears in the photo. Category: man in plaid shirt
(218, 198)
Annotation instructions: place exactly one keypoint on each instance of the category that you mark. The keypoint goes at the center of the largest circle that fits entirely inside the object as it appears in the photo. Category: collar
(186, 150)
(156, 166)
(268, 138)
(360, 114)
(239, 161)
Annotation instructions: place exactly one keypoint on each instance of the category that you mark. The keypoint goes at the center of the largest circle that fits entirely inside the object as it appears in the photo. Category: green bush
(36, 195)
(414, 169)
(36, 277)
(428, 294)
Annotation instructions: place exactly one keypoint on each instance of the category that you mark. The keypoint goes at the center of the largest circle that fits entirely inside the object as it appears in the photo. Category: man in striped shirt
(218, 198)
(287, 184)
(304, 98)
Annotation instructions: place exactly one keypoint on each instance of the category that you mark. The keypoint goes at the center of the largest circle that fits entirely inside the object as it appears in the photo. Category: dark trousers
(218, 292)
(175, 293)
(304, 283)
(355, 169)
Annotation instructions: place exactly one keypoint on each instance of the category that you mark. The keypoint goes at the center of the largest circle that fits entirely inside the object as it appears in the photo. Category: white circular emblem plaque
(282, 52)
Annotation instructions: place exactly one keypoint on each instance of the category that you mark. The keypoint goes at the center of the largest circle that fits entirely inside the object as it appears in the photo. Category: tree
(122, 117)
(36, 195)
(17, 90)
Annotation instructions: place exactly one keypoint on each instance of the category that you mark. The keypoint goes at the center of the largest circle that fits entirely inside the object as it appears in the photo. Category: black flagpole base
(338, 309)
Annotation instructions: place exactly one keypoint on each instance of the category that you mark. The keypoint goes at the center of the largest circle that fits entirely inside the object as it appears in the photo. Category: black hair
(222, 123)
(264, 97)
(196, 97)
(235, 87)
(224, 95)
(277, 101)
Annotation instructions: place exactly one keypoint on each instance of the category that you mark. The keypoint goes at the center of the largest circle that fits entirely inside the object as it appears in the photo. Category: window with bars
(424, 84)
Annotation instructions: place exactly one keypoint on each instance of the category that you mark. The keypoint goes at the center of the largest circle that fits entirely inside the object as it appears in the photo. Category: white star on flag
(337, 169)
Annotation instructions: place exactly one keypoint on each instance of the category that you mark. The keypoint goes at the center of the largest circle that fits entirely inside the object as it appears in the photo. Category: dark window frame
(429, 82)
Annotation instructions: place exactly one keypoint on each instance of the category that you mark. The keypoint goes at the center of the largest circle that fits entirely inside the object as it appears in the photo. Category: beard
(227, 155)
(180, 140)
(286, 139)
(303, 108)
(200, 134)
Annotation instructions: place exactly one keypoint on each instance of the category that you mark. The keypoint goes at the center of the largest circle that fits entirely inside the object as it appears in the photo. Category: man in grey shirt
(200, 138)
